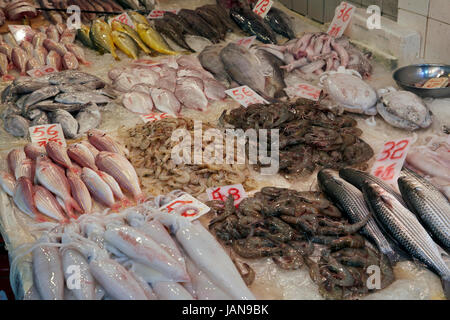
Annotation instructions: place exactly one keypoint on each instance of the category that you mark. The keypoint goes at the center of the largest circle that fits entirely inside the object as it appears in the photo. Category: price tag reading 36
(390, 161)
(40, 135)
(245, 96)
(222, 193)
(341, 19)
(263, 7)
(152, 117)
(186, 206)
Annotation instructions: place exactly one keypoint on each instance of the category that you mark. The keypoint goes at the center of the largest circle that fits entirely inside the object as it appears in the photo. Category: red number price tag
(245, 96)
(159, 14)
(390, 160)
(262, 7)
(151, 117)
(39, 72)
(341, 19)
(40, 135)
(125, 19)
(304, 90)
(222, 193)
(186, 206)
(246, 42)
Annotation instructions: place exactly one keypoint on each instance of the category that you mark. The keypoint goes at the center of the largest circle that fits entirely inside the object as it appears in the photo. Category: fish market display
(18, 9)
(167, 85)
(58, 184)
(70, 98)
(286, 224)
(432, 161)
(150, 148)
(309, 137)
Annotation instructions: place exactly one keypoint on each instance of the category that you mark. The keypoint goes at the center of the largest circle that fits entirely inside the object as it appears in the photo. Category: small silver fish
(67, 122)
(89, 118)
(81, 97)
(17, 125)
(41, 95)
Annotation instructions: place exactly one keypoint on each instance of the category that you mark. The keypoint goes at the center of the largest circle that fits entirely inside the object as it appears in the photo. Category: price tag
(304, 90)
(186, 206)
(341, 19)
(246, 42)
(222, 193)
(21, 33)
(245, 96)
(159, 14)
(263, 7)
(39, 72)
(390, 161)
(125, 19)
(40, 135)
(152, 117)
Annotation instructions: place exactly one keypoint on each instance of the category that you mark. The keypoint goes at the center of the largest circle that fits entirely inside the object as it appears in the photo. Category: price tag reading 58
(245, 96)
(390, 161)
(222, 193)
(341, 19)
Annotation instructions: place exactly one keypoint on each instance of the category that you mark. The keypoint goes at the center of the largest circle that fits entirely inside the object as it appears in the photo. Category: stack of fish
(315, 53)
(69, 98)
(419, 231)
(50, 46)
(57, 183)
(166, 85)
(17, 9)
(132, 256)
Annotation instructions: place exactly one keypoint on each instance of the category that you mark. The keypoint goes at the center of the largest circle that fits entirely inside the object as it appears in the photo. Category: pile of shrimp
(151, 147)
(129, 255)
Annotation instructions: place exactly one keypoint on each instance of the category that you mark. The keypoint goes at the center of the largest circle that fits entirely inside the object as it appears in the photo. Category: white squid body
(208, 255)
(145, 286)
(351, 92)
(86, 290)
(171, 291)
(137, 246)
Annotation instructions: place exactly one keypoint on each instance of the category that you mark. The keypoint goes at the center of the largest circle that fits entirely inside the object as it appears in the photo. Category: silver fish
(67, 121)
(40, 119)
(41, 95)
(404, 226)
(17, 125)
(89, 118)
(47, 204)
(49, 105)
(82, 97)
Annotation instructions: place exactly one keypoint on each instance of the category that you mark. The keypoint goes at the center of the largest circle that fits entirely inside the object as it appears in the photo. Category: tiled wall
(431, 19)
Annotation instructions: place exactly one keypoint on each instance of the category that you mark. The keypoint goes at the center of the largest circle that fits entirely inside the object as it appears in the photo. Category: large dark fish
(211, 61)
(180, 23)
(213, 20)
(351, 201)
(280, 23)
(275, 75)
(165, 28)
(222, 15)
(429, 204)
(253, 24)
(200, 26)
(404, 226)
(357, 178)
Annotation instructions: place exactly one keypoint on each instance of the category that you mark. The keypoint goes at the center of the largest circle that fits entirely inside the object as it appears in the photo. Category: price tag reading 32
(245, 96)
(390, 161)
(186, 206)
(341, 19)
(40, 135)
(222, 193)
(263, 7)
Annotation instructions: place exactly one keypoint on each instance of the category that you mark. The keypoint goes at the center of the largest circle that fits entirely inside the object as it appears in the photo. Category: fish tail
(71, 204)
(392, 256)
(446, 286)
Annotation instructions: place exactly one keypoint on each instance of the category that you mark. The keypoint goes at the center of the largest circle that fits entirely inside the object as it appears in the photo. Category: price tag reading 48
(40, 135)
(186, 206)
(390, 161)
(222, 193)
(245, 96)
(263, 7)
(341, 19)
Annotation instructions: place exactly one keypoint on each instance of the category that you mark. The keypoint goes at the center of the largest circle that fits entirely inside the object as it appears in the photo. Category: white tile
(416, 22)
(440, 10)
(416, 6)
(437, 50)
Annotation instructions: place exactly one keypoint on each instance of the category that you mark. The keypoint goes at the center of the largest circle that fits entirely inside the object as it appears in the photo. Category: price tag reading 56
(245, 96)
(390, 161)
(341, 19)
(40, 135)
(222, 193)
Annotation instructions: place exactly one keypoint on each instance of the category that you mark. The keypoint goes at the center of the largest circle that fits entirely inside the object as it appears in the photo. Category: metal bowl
(408, 76)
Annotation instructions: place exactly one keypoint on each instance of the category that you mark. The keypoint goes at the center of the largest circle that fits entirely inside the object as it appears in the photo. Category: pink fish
(40, 53)
(28, 47)
(51, 177)
(54, 59)
(68, 36)
(6, 49)
(165, 101)
(14, 158)
(38, 39)
(52, 33)
(78, 52)
(7, 182)
(46, 204)
(122, 171)
(115, 188)
(19, 58)
(51, 45)
(91, 148)
(214, 90)
(82, 155)
(32, 151)
(3, 65)
(69, 61)
(24, 197)
(60, 27)
(138, 102)
(26, 168)
(58, 154)
(80, 192)
(98, 188)
(103, 142)
(189, 92)
(33, 63)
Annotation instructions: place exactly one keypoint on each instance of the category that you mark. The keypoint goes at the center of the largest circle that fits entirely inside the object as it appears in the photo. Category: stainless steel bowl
(408, 76)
